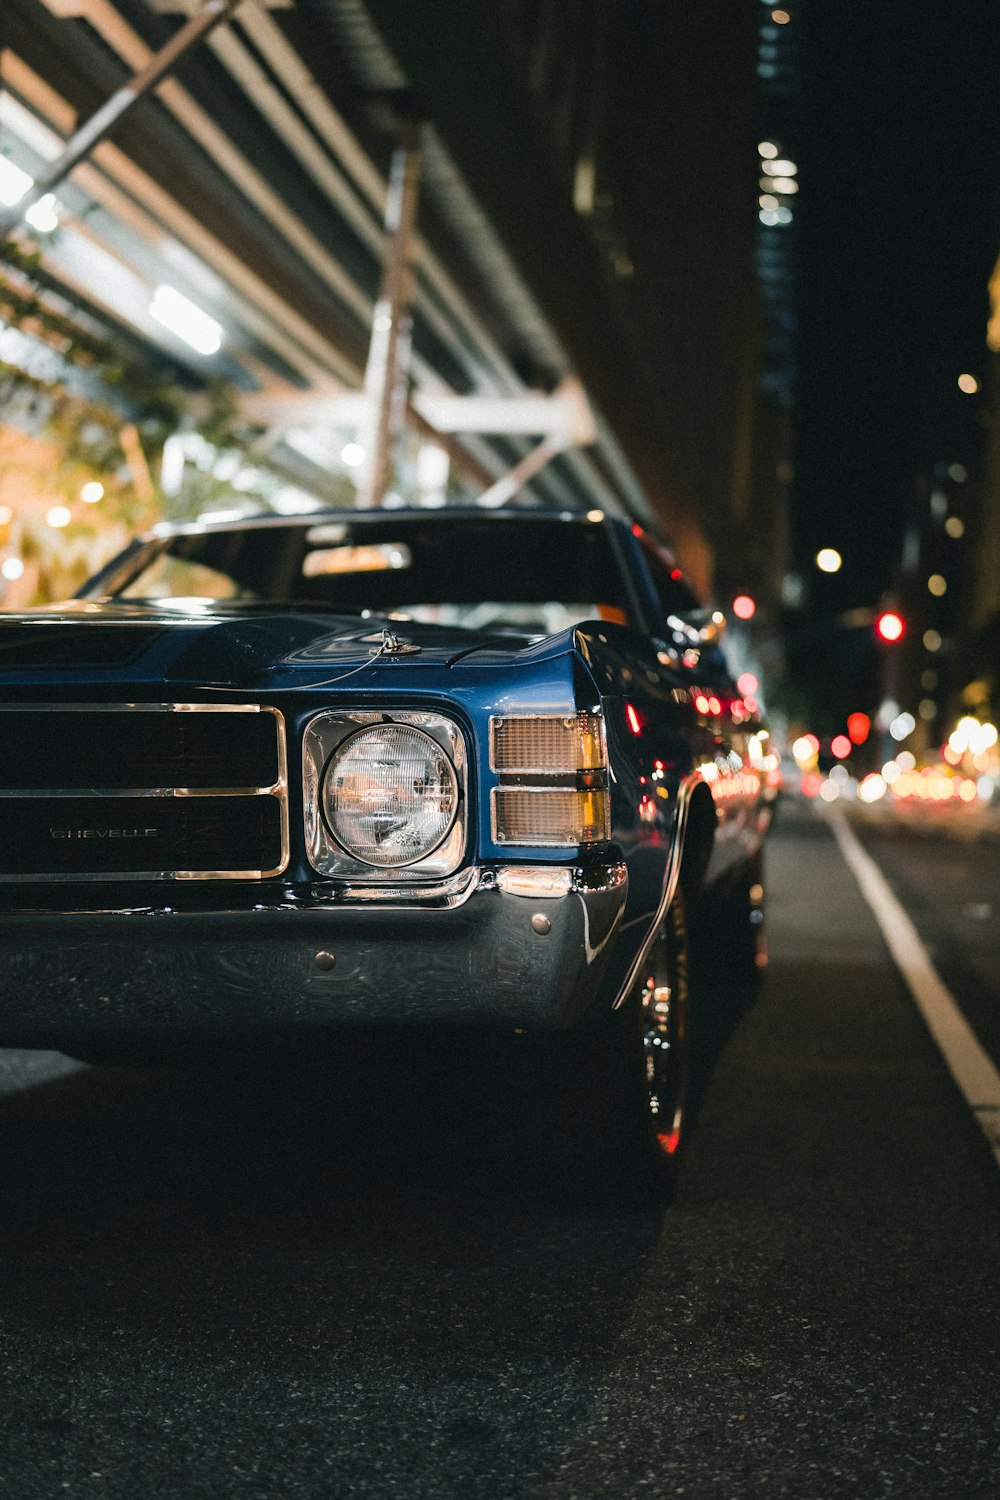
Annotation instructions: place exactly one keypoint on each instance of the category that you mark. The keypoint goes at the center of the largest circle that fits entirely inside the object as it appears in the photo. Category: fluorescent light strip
(13, 183)
(178, 314)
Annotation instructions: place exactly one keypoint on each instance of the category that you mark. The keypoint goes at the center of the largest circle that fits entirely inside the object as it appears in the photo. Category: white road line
(969, 1065)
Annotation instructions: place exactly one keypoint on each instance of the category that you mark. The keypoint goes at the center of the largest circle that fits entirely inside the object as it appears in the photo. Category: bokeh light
(889, 626)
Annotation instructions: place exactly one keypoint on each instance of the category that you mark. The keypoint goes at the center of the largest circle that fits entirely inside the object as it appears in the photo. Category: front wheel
(663, 1006)
(619, 1083)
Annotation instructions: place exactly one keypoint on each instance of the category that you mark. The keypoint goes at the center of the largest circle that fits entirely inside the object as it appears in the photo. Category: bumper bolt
(325, 961)
(541, 924)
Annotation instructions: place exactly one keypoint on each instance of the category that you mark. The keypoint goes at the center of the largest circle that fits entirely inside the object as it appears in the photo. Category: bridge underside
(253, 182)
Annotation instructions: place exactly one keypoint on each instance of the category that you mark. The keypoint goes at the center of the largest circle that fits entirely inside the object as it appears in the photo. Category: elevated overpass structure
(232, 222)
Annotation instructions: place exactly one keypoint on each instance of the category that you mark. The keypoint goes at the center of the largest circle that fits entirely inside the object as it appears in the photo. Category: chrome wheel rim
(663, 1006)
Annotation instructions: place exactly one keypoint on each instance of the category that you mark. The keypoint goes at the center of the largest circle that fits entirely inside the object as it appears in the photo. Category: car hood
(222, 644)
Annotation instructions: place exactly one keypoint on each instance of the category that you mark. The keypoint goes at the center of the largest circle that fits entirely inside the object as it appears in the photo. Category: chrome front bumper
(521, 948)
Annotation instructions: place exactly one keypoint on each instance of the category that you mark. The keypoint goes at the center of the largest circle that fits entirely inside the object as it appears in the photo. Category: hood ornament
(393, 645)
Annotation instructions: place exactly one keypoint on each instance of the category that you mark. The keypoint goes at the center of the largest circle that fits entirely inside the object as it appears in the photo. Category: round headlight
(390, 795)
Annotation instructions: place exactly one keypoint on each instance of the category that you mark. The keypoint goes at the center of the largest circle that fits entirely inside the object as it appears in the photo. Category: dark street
(224, 1289)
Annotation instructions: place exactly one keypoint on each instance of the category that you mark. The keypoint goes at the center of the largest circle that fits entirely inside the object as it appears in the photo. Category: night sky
(899, 158)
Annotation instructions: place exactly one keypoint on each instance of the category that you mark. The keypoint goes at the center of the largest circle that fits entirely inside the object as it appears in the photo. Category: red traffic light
(889, 626)
(744, 608)
(858, 728)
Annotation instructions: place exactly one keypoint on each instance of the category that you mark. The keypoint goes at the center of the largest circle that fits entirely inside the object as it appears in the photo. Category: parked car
(352, 769)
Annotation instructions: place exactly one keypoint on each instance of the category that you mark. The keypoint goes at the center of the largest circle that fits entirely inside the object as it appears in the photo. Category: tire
(618, 1085)
(662, 1006)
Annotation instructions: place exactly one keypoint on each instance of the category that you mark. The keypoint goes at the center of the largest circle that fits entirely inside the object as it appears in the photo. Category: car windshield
(530, 574)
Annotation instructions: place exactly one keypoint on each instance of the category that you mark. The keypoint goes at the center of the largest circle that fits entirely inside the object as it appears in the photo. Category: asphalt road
(358, 1282)
(950, 887)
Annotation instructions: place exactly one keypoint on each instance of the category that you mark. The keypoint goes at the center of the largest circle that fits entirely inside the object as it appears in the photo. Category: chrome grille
(164, 791)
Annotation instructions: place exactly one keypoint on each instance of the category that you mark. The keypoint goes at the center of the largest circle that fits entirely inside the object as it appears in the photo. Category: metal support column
(386, 373)
(90, 134)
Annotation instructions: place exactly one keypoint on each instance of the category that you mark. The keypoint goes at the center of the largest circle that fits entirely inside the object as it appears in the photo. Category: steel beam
(516, 478)
(101, 123)
(565, 413)
(387, 371)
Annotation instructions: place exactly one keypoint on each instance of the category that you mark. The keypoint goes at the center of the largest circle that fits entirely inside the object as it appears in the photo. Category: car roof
(228, 522)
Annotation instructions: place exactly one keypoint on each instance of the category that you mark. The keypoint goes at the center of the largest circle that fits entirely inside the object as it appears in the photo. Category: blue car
(285, 776)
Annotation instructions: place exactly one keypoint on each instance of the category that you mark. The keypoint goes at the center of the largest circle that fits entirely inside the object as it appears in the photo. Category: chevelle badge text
(103, 833)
